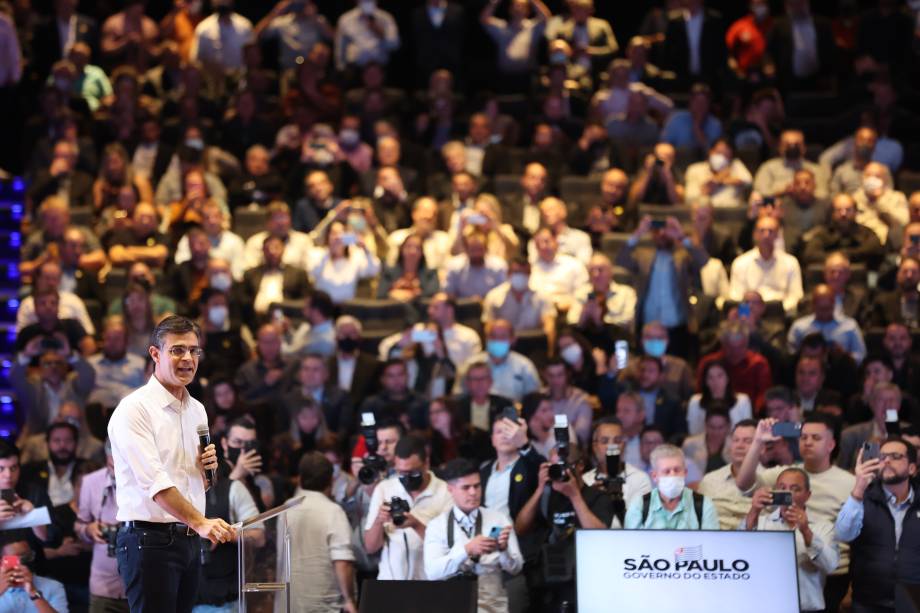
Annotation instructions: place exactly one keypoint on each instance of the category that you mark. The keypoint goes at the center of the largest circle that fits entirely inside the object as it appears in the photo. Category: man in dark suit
(852, 299)
(898, 344)
(318, 199)
(313, 379)
(522, 210)
(354, 371)
(694, 44)
(484, 158)
(395, 398)
(48, 44)
(665, 410)
(477, 409)
(884, 397)
(664, 294)
(903, 304)
(258, 282)
(859, 243)
(191, 276)
(439, 33)
(264, 379)
(809, 386)
(63, 178)
(801, 47)
(717, 243)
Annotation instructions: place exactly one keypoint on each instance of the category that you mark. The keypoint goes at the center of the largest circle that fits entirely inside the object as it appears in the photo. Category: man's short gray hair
(666, 451)
(174, 324)
(345, 320)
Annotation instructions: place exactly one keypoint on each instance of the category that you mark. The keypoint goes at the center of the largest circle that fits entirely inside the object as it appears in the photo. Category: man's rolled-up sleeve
(340, 538)
(136, 444)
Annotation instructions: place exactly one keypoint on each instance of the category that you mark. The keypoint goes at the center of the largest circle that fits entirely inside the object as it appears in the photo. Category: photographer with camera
(561, 504)
(671, 505)
(96, 524)
(611, 474)
(470, 541)
(233, 499)
(401, 506)
(783, 508)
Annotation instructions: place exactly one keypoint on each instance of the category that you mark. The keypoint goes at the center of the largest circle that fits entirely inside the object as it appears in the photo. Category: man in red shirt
(746, 39)
(748, 371)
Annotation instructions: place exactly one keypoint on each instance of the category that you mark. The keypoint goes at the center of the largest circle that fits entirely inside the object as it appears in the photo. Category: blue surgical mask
(655, 347)
(498, 349)
(357, 223)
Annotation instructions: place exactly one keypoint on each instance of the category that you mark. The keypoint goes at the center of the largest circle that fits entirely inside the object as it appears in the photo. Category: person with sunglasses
(881, 521)
(161, 475)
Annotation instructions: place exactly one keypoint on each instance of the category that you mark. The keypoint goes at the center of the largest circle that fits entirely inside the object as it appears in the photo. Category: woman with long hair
(716, 387)
(410, 277)
(487, 215)
(337, 268)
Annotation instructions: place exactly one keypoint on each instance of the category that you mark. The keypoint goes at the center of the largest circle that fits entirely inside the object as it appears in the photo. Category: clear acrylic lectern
(270, 571)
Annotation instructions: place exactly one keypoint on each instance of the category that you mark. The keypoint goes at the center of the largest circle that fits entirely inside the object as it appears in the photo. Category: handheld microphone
(204, 439)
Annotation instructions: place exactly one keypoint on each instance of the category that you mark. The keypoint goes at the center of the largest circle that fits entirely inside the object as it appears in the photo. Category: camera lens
(557, 472)
(367, 475)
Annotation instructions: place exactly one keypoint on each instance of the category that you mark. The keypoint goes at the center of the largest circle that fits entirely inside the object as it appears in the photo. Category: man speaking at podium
(161, 477)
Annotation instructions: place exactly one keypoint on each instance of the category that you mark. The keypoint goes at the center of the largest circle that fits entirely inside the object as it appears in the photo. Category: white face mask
(670, 486)
(217, 315)
(718, 161)
(873, 185)
(571, 354)
(519, 282)
(221, 281)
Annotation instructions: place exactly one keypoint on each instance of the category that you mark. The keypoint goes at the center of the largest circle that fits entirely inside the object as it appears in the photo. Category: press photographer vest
(219, 583)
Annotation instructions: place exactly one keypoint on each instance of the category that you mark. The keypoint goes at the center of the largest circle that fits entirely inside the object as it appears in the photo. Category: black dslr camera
(109, 533)
(558, 471)
(373, 464)
(398, 510)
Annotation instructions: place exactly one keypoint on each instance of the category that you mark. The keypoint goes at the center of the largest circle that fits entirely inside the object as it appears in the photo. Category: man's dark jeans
(160, 568)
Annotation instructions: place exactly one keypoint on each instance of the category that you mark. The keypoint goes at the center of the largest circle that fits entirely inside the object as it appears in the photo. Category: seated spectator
(723, 178)
(139, 273)
(115, 171)
(572, 242)
(517, 40)
(879, 206)
(909, 248)
(223, 403)
(313, 384)
(567, 399)
(223, 244)
(719, 485)
(848, 175)
(661, 409)
(797, 212)
(759, 126)
(435, 243)
(897, 344)
(613, 212)
(903, 304)
(513, 374)
(318, 200)
(52, 330)
(814, 538)
(474, 273)
(809, 386)
(395, 399)
(696, 128)
(858, 242)
(633, 129)
(766, 335)
(557, 274)
(875, 369)
(676, 377)
(708, 449)
(477, 408)
(264, 378)
(118, 372)
(189, 278)
(842, 330)
(883, 397)
(850, 299)
(272, 281)
(353, 370)
(718, 243)
(26, 590)
(363, 35)
(338, 268)
(82, 281)
(296, 244)
(749, 372)
(775, 176)
(41, 394)
(658, 180)
(774, 274)
(140, 242)
(257, 181)
(391, 200)
(602, 301)
(358, 217)
(48, 277)
(410, 278)
(841, 372)
(716, 390)
(515, 301)
(316, 334)
(54, 216)
(671, 505)
(524, 208)
(89, 448)
(63, 178)
(486, 216)
(664, 275)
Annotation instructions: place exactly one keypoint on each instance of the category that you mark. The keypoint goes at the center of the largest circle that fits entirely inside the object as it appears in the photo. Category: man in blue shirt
(880, 520)
(835, 327)
(23, 592)
(671, 505)
(695, 128)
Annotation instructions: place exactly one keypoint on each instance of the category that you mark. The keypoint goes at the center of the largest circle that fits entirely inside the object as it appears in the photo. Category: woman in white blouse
(337, 268)
(716, 386)
(722, 178)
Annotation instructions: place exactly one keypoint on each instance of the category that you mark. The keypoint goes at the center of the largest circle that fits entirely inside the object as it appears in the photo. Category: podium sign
(686, 571)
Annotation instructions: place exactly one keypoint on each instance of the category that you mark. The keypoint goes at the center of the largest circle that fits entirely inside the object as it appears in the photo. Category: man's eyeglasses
(894, 457)
(179, 351)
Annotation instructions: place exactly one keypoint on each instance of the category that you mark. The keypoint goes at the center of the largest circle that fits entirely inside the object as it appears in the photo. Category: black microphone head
(203, 430)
